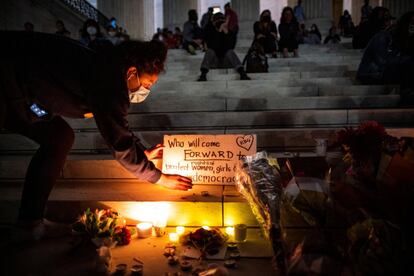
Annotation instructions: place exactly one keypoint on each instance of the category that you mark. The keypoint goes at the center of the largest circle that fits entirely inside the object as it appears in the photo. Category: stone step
(177, 76)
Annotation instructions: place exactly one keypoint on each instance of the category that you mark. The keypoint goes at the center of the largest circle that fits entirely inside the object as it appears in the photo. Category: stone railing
(84, 8)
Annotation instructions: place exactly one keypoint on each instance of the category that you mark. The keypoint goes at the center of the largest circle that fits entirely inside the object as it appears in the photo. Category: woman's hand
(154, 152)
(175, 182)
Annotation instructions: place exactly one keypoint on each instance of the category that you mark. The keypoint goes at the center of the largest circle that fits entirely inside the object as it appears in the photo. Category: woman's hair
(286, 9)
(147, 56)
(401, 37)
(192, 15)
(263, 13)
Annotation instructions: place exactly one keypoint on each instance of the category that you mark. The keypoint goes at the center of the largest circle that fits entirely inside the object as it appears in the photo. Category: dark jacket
(68, 79)
(219, 42)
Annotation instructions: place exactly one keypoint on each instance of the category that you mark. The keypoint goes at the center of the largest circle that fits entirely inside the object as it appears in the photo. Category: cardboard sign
(207, 159)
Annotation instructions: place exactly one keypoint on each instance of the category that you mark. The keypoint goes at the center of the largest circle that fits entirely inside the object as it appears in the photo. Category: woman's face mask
(139, 88)
(91, 30)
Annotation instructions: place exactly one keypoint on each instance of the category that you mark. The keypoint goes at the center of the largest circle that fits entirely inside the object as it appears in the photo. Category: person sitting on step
(265, 33)
(219, 53)
(288, 30)
(192, 33)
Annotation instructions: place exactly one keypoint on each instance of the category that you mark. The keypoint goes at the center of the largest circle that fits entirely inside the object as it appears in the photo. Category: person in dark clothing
(29, 27)
(265, 33)
(379, 19)
(389, 58)
(206, 17)
(366, 11)
(288, 31)
(346, 25)
(45, 77)
(314, 35)
(61, 29)
(333, 37)
(92, 37)
(219, 53)
(192, 33)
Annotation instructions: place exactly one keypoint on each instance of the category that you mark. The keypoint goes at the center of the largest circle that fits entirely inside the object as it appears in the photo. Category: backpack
(256, 60)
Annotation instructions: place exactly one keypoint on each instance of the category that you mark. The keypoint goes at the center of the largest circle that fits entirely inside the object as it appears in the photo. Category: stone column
(315, 9)
(356, 9)
(398, 7)
(247, 10)
(175, 12)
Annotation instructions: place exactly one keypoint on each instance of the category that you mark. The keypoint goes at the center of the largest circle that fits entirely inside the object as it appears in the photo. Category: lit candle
(205, 227)
(180, 230)
(230, 231)
(144, 230)
(173, 237)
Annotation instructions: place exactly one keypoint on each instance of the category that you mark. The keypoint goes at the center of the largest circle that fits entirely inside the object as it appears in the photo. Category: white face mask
(91, 30)
(140, 95)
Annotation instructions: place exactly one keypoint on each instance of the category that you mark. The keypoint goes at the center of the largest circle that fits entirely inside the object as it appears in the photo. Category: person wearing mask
(92, 37)
(366, 11)
(288, 31)
(346, 25)
(61, 29)
(333, 37)
(112, 35)
(29, 27)
(232, 22)
(265, 33)
(314, 35)
(206, 18)
(299, 12)
(192, 33)
(219, 53)
(389, 58)
(46, 78)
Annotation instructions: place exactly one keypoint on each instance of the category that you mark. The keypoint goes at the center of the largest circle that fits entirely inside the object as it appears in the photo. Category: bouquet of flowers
(103, 227)
(258, 180)
(207, 241)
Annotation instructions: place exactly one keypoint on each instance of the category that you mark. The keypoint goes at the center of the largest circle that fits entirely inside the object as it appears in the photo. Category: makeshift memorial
(205, 241)
(144, 230)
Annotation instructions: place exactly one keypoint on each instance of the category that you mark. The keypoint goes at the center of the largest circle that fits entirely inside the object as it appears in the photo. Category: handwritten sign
(207, 159)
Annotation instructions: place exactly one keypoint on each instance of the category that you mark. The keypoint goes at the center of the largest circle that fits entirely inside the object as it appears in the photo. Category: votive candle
(180, 230)
(144, 230)
(173, 237)
(230, 231)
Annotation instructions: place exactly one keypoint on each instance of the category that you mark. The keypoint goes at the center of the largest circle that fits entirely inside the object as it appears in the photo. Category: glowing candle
(173, 237)
(230, 231)
(144, 230)
(205, 227)
(180, 230)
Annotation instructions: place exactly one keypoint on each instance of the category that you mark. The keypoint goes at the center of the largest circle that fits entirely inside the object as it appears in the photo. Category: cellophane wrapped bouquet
(258, 180)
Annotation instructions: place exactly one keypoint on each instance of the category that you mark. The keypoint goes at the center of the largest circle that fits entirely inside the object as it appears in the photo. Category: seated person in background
(192, 33)
(178, 36)
(346, 26)
(265, 33)
(61, 29)
(302, 34)
(169, 39)
(219, 53)
(313, 36)
(288, 30)
(333, 37)
(113, 35)
(389, 58)
(92, 37)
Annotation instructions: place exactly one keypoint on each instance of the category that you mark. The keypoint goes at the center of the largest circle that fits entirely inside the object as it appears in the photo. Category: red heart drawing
(245, 141)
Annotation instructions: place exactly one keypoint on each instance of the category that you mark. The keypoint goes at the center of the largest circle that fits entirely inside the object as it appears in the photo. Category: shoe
(274, 55)
(202, 77)
(191, 50)
(40, 230)
(244, 77)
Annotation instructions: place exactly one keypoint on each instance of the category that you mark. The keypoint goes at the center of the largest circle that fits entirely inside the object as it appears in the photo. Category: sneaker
(191, 50)
(202, 77)
(40, 230)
